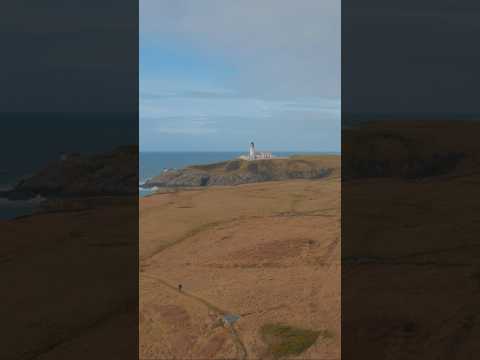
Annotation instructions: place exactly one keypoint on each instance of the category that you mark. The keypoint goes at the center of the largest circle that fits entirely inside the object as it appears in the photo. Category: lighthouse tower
(252, 154)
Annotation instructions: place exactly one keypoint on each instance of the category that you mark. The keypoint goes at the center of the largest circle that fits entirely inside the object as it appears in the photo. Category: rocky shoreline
(238, 171)
(112, 173)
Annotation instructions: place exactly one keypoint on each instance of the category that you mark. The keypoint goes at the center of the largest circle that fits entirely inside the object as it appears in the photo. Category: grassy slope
(284, 340)
(411, 149)
(416, 287)
(281, 165)
(268, 253)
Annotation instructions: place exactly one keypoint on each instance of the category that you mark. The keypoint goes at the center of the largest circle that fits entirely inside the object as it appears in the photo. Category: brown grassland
(266, 252)
(410, 246)
(70, 282)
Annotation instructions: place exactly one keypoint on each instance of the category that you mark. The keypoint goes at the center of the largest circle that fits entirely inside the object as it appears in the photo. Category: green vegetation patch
(233, 165)
(209, 167)
(284, 340)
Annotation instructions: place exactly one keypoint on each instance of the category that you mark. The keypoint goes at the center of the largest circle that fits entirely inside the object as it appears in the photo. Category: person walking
(180, 287)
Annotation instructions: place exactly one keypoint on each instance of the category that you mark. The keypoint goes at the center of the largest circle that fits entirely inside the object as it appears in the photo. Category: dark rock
(237, 172)
(233, 165)
(113, 173)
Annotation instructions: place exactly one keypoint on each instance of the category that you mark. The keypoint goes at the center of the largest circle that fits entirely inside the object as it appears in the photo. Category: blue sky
(215, 75)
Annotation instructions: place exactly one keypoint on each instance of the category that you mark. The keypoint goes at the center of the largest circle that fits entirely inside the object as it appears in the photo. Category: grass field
(267, 252)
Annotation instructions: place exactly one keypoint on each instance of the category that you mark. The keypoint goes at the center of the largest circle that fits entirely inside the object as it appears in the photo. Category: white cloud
(282, 48)
(185, 131)
(284, 87)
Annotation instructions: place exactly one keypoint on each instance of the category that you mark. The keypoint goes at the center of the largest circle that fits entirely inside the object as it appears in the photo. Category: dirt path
(220, 312)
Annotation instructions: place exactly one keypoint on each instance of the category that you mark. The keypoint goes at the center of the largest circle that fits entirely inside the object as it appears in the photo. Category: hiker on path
(180, 287)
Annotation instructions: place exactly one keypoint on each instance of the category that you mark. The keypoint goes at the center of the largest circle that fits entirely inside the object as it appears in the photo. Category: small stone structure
(230, 319)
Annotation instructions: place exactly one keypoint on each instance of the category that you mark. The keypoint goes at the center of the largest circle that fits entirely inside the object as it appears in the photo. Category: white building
(252, 155)
(256, 155)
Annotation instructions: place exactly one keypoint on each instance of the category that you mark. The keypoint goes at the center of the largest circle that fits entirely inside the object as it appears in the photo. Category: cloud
(191, 106)
(185, 131)
(286, 131)
(281, 48)
(220, 124)
(217, 74)
(199, 94)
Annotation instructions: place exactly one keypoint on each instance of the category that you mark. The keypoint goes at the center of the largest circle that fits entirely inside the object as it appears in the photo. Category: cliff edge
(112, 173)
(239, 171)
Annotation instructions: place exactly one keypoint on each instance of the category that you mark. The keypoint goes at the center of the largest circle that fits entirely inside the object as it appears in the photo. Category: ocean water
(153, 163)
(12, 209)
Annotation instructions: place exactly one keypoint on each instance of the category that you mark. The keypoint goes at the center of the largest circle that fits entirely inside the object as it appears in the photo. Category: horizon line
(235, 151)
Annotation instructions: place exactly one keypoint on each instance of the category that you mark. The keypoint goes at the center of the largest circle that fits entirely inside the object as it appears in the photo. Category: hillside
(73, 292)
(410, 248)
(110, 173)
(411, 149)
(238, 171)
(266, 256)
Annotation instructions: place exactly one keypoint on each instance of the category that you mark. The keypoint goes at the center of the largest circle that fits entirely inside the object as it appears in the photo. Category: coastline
(239, 171)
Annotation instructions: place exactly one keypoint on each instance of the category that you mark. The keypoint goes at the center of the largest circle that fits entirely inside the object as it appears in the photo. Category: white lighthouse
(256, 155)
(252, 155)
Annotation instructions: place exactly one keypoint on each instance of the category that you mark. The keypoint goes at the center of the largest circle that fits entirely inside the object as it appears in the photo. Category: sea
(10, 209)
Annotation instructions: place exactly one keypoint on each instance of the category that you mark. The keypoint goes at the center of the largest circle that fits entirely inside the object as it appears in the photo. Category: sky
(217, 74)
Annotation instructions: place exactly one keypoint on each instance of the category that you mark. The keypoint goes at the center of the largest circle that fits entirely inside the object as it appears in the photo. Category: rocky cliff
(237, 171)
(112, 173)
(410, 149)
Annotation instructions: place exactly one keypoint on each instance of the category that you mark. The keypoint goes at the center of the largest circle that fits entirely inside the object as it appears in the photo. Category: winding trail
(219, 311)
